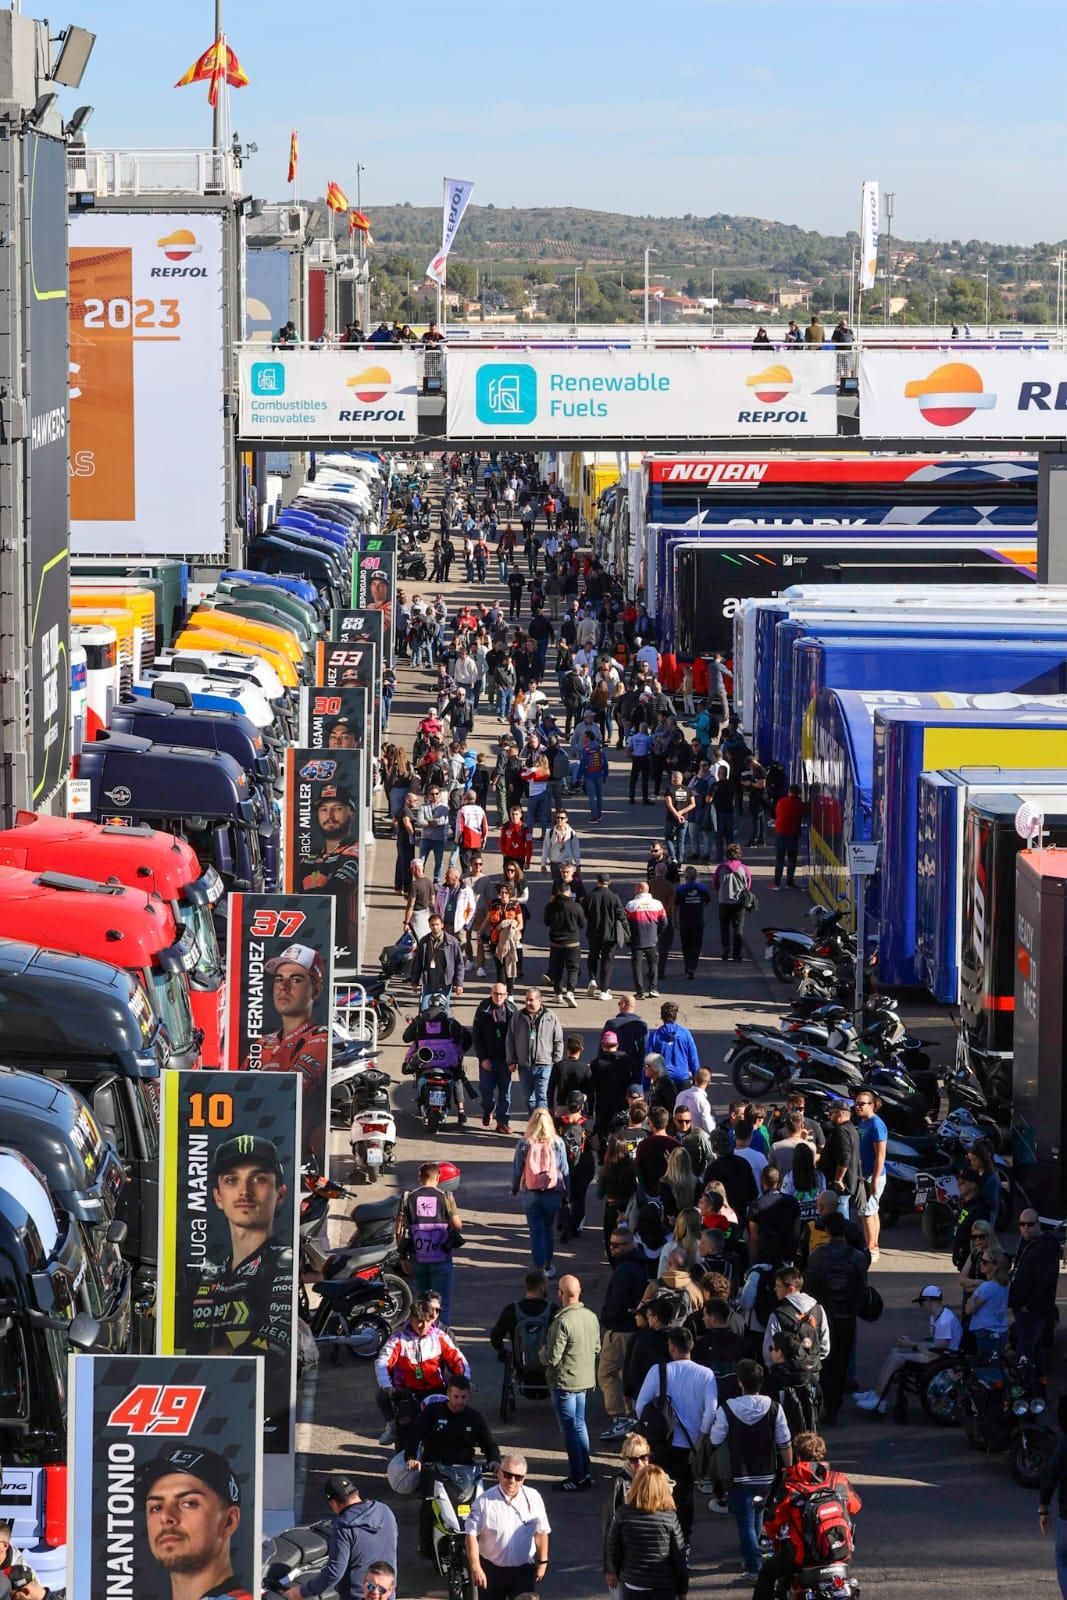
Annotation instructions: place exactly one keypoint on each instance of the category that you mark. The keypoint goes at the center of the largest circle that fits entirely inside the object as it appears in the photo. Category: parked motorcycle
(1002, 1402)
(373, 1132)
(290, 1558)
(785, 946)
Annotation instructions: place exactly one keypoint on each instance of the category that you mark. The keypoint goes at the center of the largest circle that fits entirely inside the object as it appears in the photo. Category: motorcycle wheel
(938, 1225)
(433, 1123)
(749, 1080)
(397, 1302)
(1028, 1452)
(460, 1583)
(386, 1015)
(940, 1394)
(364, 1330)
(782, 965)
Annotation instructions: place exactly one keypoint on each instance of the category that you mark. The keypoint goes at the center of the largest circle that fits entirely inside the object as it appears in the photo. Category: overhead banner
(674, 394)
(323, 829)
(46, 542)
(164, 1466)
(146, 384)
(279, 968)
(335, 394)
(1002, 394)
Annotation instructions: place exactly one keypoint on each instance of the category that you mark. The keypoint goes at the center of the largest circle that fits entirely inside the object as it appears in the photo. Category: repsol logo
(1035, 396)
(772, 416)
(371, 415)
(177, 272)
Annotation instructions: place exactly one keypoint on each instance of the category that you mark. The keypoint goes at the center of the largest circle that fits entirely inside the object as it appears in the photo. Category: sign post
(862, 864)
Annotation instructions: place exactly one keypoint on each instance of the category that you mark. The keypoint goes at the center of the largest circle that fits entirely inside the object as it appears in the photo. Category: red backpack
(825, 1524)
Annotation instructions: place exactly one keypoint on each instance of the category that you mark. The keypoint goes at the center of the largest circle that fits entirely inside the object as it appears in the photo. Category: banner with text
(336, 394)
(164, 1467)
(978, 394)
(683, 394)
(323, 828)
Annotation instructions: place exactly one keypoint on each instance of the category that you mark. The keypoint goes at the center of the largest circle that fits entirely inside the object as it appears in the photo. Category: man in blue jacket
(675, 1044)
(363, 1531)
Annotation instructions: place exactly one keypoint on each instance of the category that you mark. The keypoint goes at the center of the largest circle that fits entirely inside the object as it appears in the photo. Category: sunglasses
(682, 1122)
(645, 1457)
(513, 1477)
(1035, 1224)
(376, 1588)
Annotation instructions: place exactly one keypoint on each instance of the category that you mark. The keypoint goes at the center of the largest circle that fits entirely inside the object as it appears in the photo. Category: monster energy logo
(245, 1143)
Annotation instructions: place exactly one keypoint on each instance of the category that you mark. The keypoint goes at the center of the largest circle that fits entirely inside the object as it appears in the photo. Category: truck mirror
(117, 1232)
(84, 1333)
(6, 1325)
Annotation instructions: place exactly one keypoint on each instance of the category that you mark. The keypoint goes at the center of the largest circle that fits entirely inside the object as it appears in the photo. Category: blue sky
(777, 109)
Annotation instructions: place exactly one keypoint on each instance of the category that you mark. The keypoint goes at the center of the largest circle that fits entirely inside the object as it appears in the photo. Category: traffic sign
(863, 858)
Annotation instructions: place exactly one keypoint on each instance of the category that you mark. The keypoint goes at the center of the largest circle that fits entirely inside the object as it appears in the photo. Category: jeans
(495, 1084)
(555, 796)
(502, 567)
(433, 850)
(786, 846)
(542, 1209)
(594, 788)
(643, 963)
(436, 1275)
(569, 1406)
(503, 703)
(535, 1084)
(1061, 1555)
(537, 812)
(749, 1519)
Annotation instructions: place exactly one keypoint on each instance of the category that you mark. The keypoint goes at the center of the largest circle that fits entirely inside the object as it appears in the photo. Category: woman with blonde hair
(685, 1235)
(539, 1177)
(678, 1186)
(986, 1309)
(634, 1454)
(645, 1550)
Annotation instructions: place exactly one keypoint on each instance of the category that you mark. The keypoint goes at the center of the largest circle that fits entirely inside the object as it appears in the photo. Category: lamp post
(889, 201)
(650, 250)
(362, 271)
(987, 302)
(577, 300)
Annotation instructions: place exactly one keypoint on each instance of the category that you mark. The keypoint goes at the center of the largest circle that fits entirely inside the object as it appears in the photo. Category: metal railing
(108, 174)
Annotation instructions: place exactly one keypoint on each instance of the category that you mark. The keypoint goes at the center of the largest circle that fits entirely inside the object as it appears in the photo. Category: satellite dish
(1029, 822)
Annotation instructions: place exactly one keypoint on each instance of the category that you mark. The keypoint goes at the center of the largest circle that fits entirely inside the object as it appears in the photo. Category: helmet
(437, 1001)
(402, 1478)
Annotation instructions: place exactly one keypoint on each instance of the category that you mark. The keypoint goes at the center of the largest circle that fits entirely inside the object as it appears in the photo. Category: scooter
(373, 1132)
(370, 1254)
(456, 1490)
(784, 946)
(1000, 1405)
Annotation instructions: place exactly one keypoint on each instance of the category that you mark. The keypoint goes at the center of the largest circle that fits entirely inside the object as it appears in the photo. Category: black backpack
(659, 1419)
(575, 1136)
(805, 1325)
(766, 1302)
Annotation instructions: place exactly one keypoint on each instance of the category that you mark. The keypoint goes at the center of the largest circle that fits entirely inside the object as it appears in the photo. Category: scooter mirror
(117, 1232)
(84, 1333)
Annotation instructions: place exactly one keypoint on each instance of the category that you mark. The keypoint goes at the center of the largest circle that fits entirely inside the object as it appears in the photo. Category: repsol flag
(145, 1434)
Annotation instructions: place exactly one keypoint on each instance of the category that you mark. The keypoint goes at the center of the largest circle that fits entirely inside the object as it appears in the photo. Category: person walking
(565, 920)
(534, 1047)
(639, 744)
(490, 1044)
(645, 1550)
(539, 1176)
(675, 1044)
(507, 1534)
(756, 1434)
(678, 806)
(569, 1356)
(634, 1454)
(618, 1324)
(593, 773)
(693, 1394)
(789, 815)
(837, 1277)
(645, 915)
(431, 1222)
(874, 1136)
(438, 966)
(732, 882)
(559, 847)
(1032, 1289)
(606, 928)
(690, 901)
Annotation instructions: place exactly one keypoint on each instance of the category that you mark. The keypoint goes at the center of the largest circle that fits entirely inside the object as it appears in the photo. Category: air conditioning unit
(293, 222)
(325, 252)
(347, 266)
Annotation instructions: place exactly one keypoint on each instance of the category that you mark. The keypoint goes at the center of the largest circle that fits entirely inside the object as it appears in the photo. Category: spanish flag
(294, 156)
(216, 63)
(336, 198)
(358, 222)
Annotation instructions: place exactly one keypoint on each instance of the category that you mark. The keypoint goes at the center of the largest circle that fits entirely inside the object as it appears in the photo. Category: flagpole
(217, 110)
(444, 264)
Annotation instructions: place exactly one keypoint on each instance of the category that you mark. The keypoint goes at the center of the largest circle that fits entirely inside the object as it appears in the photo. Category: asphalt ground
(938, 1519)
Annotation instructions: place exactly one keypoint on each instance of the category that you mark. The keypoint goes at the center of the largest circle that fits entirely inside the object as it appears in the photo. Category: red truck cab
(141, 858)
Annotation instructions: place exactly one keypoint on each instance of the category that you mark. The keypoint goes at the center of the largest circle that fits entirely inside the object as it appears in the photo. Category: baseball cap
(609, 1038)
(333, 791)
(931, 1292)
(207, 1465)
(301, 955)
(339, 1486)
(635, 1090)
(246, 1147)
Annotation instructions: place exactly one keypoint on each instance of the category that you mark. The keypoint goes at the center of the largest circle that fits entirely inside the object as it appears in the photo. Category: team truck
(130, 928)
(85, 595)
(167, 579)
(943, 798)
(202, 795)
(142, 858)
(202, 636)
(1039, 960)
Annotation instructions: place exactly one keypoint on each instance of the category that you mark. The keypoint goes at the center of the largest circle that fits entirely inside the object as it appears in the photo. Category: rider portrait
(192, 1509)
(301, 1042)
(333, 867)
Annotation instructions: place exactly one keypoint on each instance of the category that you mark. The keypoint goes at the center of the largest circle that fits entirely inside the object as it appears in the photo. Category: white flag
(869, 234)
(457, 194)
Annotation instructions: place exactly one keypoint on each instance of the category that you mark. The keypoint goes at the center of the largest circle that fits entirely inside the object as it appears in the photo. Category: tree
(463, 278)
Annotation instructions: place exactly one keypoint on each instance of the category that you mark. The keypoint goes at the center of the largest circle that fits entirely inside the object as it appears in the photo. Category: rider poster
(363, 627)
(374, 582)
(279, 982)
(164, 1477)
(323, 823)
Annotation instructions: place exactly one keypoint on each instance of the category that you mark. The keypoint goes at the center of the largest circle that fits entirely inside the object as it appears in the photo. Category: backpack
(540, 1170)
(825, 1524)
(806, 1327)
(766, 1302)
(659, 1419)
(839, 1284)
(528, 1337)
(574, 1136)
(731, 888)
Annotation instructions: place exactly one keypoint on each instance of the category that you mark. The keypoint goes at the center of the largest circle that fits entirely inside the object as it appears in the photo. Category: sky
(778, 109)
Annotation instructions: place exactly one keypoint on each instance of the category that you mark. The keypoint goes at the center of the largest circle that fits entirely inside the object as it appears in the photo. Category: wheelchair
(515, 1383)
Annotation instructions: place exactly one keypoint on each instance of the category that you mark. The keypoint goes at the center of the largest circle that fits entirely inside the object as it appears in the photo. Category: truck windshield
(199, 919)
(172, 1002)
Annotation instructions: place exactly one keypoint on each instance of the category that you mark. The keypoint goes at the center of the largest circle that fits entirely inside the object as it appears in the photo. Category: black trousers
(504, 1583)
(692, 940)
(677, 1463)
(639, 768)
(834, 1373)
(601, 961)
(564, 964)
(731, 927)
(643, 963)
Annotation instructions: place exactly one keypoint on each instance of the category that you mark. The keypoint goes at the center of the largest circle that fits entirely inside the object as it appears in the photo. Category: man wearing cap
(946, 1335)
(362, 1535)
(610, 1072)
(192, 1508)
(342, 734)
(335, 869)
(300, 1044)
(244, 1304)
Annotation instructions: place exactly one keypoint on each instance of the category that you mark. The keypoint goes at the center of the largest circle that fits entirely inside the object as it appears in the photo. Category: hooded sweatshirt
(359, 1535)
(678, 1048)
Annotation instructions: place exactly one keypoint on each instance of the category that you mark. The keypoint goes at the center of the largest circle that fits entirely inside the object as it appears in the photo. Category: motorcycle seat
(300, 1547)
(339, 1291)
(356, 1259)
(810, 1577)
(377, 1210)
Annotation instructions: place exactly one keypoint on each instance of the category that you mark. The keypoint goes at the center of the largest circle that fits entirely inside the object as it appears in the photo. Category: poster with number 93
(164, 1472)
(229, 1187)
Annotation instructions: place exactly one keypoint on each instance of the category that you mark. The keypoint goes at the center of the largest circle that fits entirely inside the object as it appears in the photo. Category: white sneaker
(570, 1000)
(869, 1402)
(592, 991)
(718, 1508)
(549, 1272)
(605, 994)
(479, 972)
